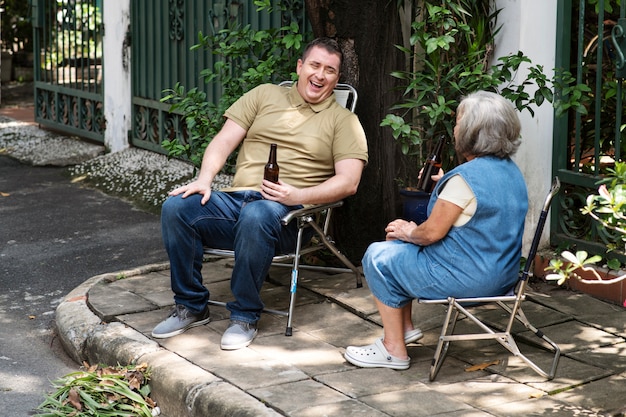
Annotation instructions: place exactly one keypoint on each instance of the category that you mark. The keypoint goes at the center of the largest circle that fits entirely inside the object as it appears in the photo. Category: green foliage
(450, 45)
(608, 4)
(564, 270)
(16, 28)
(608, 208)
(247, 58)
(102, 392)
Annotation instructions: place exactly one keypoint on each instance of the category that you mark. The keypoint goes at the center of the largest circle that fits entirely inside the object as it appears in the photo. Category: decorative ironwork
(140, 123)
(173, 125)
(76, 115)
(225, 14)
(293, 10)
(146, 125)
(177, 19)
(571, 221)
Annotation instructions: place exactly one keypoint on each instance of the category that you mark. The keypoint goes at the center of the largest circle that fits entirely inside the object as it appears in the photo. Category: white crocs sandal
(411, 336)
(374, 356)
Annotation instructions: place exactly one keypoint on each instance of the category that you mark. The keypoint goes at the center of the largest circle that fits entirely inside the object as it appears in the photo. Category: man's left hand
(280, 192)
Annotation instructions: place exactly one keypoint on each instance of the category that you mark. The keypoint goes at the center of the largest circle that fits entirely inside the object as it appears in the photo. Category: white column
(117, 74)
(530, 26)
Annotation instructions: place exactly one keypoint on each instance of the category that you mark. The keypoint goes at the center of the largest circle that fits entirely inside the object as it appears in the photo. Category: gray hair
(488, 125)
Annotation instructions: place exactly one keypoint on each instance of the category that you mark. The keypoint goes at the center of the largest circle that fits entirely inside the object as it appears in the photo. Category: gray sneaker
(238, 335)
(179, 320)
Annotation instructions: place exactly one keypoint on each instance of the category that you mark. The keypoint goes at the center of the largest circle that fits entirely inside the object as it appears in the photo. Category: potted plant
(608, 208)
(448, 52)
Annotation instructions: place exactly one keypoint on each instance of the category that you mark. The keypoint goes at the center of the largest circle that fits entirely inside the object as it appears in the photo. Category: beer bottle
(271, 168)
(431, 167)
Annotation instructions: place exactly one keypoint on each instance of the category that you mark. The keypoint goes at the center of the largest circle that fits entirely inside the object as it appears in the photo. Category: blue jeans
(241, 221)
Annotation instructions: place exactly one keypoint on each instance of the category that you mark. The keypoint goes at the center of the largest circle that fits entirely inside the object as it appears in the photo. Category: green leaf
(614, 264)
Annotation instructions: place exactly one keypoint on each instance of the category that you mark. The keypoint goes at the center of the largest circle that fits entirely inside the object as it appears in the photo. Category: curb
(179, 387)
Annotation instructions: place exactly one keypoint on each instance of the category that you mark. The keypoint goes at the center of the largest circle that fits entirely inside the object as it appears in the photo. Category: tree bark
(367, 31)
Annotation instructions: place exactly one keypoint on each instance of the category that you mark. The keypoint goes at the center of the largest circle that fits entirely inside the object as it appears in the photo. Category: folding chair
(456, 306)
(316, 217)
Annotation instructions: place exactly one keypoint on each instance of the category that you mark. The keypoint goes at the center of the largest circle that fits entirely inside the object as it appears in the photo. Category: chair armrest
(306, 211)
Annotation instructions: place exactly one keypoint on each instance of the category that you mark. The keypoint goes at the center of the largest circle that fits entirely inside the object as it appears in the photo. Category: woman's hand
(434, 177)
(400, 230)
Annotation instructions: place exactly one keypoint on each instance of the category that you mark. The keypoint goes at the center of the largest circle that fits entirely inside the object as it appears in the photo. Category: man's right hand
(195, 187)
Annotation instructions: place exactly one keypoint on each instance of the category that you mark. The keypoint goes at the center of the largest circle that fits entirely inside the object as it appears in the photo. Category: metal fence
(68, 66)
(163, 32)
(586, 145)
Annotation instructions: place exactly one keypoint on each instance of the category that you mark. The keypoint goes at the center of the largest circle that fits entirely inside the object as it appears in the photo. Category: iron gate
(163, 32)
(68, 66)
(585, 146)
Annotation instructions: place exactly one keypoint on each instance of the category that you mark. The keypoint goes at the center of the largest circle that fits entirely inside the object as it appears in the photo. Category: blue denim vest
(482, 257)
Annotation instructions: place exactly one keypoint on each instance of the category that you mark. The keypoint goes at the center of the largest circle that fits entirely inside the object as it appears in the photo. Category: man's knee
(174, 205)
(260, 212)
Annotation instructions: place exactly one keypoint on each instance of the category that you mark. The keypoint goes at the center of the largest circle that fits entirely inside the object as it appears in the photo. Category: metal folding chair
(512, 304)
(316, 217)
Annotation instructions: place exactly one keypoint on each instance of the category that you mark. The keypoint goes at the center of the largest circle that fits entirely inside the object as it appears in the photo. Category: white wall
(530, 26)
(117, 91)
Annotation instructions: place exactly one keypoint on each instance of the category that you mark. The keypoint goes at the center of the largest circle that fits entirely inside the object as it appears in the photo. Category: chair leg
(292, 301)
(512, 346)
(441, 351)
(294, 282)
(521, 317)
(331, 246)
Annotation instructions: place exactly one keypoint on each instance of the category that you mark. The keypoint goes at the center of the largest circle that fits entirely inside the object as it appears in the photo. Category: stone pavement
(109, 318)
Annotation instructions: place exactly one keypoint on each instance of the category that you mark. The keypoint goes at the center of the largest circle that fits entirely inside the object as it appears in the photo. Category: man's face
(318, 75)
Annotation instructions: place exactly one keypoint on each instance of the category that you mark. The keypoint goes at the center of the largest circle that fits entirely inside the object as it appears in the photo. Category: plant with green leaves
(247, 58)
(608, 208)
(449, 49)
(121, 391)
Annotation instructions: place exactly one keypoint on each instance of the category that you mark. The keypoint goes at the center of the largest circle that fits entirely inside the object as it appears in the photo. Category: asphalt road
(53, 236)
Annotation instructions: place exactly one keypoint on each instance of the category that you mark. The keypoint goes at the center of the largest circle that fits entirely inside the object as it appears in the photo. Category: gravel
(139, 176)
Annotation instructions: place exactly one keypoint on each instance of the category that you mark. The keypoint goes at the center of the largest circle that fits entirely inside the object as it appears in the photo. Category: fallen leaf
(481, 366)
(74, 399)
(78, 179)
(537, 395)
(4, 194)
(135, 379)
(32, 317)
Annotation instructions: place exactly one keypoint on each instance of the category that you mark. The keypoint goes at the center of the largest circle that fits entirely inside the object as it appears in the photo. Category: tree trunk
(367, 31)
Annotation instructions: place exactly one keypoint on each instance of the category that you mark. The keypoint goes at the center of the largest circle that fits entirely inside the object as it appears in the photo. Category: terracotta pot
(614, 293)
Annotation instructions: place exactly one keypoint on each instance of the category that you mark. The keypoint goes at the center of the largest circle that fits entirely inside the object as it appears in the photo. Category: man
(321, 152)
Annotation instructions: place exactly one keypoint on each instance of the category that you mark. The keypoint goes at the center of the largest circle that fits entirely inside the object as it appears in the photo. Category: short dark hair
(329, 44)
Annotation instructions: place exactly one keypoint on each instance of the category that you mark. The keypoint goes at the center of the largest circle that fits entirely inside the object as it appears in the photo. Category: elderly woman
(470, 245)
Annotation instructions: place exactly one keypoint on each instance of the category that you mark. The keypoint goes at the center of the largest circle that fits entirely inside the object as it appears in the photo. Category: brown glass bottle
(271, 168)
(431, 167)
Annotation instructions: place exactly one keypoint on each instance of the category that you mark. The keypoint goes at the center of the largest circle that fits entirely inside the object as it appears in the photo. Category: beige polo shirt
(310, 138)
